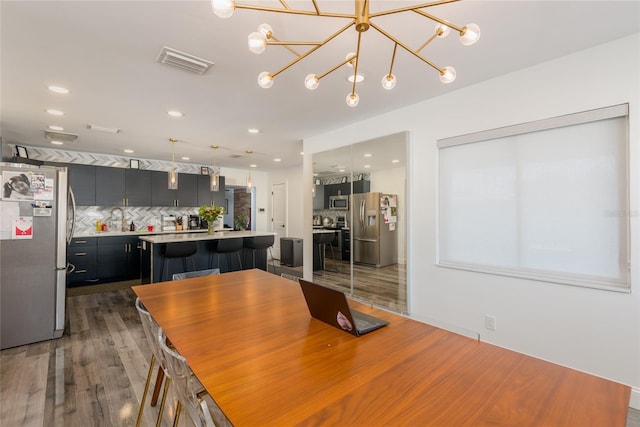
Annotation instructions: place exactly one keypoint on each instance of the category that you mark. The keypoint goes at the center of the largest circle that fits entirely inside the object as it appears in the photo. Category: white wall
(590, 330)
(290, 177)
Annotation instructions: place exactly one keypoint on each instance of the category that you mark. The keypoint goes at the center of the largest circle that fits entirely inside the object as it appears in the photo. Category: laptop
(331, 306)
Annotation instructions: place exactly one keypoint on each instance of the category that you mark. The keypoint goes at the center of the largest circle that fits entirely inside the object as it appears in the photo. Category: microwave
(339, 202)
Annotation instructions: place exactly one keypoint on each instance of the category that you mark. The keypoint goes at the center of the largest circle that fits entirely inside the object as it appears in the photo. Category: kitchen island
(153, 248)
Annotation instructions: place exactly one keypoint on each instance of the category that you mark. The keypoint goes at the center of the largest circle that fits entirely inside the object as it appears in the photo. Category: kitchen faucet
(123, 227)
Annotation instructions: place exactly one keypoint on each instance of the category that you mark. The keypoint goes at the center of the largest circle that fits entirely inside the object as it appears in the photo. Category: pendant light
(249, 181)
(214, 178)
(173, 172)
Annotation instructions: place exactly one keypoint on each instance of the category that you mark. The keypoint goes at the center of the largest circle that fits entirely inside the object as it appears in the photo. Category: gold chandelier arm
(432, 38)
(284, 4)
(407, 8)
(355, 66)
(315, 6)
(351, 58)
(438, 20)
(296, 11)
(393, 58)
(407, 48)
(289, 48)
(325, 41)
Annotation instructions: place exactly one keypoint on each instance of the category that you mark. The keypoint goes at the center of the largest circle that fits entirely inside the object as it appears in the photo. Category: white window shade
(546, 200)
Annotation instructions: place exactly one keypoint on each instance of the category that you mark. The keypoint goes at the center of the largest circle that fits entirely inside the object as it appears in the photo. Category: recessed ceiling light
(253, 166)
(58, 89)
(395, 161)
(367, 166)
(359, 78)
(302, 153)
(174, 113)
(186, 158)
(55, 112)
(253, 130)
(54, 127)
(277, 160)
(103, 128)
(57, 142)
(368, 155)
(340, 170)
(128, 151)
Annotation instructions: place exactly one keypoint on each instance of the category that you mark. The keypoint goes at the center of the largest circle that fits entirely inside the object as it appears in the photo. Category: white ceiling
(105, 53)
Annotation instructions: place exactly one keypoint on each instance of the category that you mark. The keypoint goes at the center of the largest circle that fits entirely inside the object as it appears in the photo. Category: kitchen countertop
(193, 237)
(141, 232)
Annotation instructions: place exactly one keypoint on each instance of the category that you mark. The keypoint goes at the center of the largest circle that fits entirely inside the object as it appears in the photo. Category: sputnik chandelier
(362, 21)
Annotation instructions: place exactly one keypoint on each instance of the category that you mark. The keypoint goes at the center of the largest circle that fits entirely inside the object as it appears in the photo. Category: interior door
(279, 215)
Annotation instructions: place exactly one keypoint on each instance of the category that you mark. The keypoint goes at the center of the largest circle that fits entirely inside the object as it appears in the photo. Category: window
(546, 200)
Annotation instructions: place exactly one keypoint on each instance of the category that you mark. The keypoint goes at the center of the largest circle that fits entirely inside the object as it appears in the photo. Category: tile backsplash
(86, 216)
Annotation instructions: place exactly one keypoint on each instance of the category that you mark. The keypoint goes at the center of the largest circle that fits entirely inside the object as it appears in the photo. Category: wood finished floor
(94, 375)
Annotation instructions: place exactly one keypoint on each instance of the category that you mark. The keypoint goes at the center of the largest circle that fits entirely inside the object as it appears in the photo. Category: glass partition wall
(359, 209)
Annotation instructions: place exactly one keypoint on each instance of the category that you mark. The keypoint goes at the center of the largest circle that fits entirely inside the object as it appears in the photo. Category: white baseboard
(634, 402)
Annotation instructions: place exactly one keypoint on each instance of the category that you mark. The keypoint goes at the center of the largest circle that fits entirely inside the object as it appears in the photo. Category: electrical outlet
(490, 322)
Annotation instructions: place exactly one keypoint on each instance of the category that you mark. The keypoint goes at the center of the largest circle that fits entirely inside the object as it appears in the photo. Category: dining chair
(199, 273)
(186, 387)
(151, 329)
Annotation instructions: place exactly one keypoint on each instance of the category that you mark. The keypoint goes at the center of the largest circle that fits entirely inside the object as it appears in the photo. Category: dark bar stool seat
(320, 240)
(257, 243)
(229, 247)
(182, 250)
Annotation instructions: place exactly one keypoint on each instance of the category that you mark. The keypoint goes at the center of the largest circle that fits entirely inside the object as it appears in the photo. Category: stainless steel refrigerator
(33, 245)
(373, 229)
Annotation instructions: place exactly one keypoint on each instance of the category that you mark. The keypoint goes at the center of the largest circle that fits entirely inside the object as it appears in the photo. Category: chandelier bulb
(442, 31)
(265, 80)
(257, 42)
(351, 57)
(447, 75)
(223, 8)
(469, 34)
(389, 81)
(352, 99)
(265, 30)
(311, 82)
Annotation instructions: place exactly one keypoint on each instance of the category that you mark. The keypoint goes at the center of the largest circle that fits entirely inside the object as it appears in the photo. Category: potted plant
(241, 222)
(210, 214)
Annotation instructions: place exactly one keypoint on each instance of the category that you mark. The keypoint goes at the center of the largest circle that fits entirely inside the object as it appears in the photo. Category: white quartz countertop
(324, 231)
(140, 232)
(194, 237)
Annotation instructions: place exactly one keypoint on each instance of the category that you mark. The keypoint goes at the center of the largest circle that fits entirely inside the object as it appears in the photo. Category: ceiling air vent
(60, 136)
(183, 60)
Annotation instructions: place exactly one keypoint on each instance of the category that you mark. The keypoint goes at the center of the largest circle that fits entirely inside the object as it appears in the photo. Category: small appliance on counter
(194, 222)
(168, 223)
(317, 220)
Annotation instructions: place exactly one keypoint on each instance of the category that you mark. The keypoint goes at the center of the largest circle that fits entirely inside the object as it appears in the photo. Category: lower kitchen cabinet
(103, 260)
(82, 256)
(118, 258)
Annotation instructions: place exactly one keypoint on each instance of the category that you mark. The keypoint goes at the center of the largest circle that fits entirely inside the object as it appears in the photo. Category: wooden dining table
(250, 340)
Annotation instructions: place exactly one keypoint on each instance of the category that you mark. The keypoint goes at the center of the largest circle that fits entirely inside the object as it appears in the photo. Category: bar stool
(229, 247)
(182, 250)
(321, 240)
(260, 242)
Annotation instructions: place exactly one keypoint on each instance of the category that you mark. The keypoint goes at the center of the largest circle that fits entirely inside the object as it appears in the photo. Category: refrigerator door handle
(72, 229)
(360, 239)
(362, 207)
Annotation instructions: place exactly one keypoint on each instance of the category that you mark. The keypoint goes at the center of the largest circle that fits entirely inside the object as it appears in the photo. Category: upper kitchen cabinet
(206, 196)
(187, 190)
(160, 194)
(185, 196)
(137, 187)
(110, 186)
(361, 186)
(82, 180)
